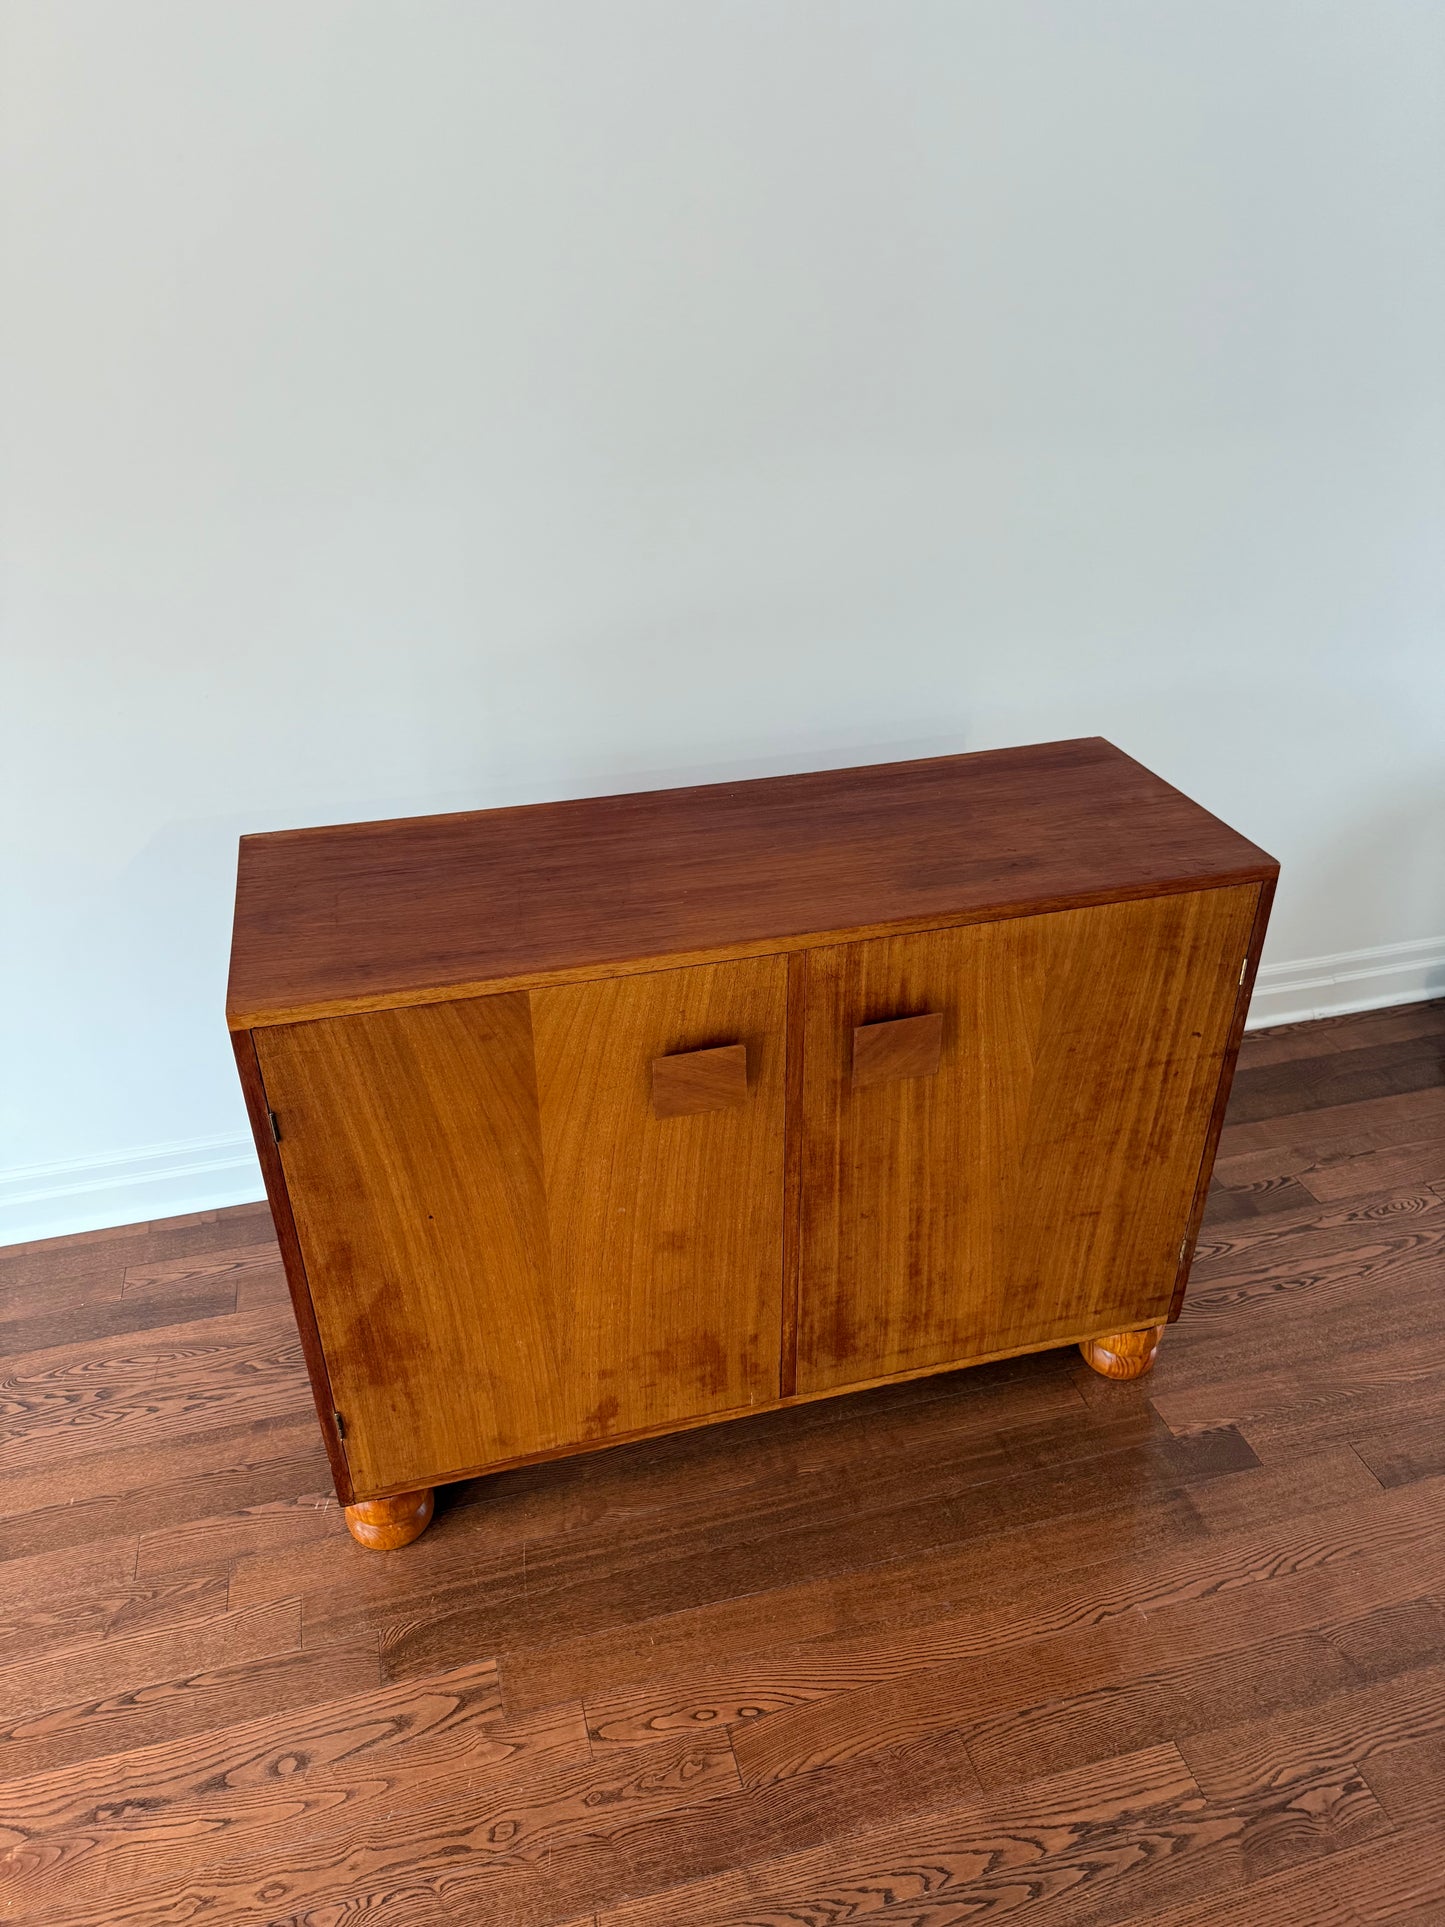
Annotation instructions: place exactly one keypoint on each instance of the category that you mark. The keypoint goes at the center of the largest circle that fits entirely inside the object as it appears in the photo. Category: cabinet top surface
(365, 915)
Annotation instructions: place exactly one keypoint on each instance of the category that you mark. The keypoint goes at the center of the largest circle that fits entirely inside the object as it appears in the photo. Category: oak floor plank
(1291, 1480)
(1411, 1117)
(1248, 1585)
(177, 1519)
(1119, 1686)
(455, 1715)
(579, 1582)
(79, 1836)
(642, 1494)
(264, 1290)
(1258, 1204)
(919, 1498)
(1273, 1185)
(1344, 1393)
(25, 1295)
(756, 1824)
(494, 1846)
(1290, 1292)
(1326, 1036)
(1368, 1724)
(46, 1578)
(173, 1464)
(408, 1903)
(895, 1594)
(1315, 1231)
(91, 1267)
(1394, 1882)
(1360, 1073)
(1314, 1426)
(201, 1270)
(22, 1337)
(1109, 1834)
(828, 1441)
(78, 1241)
(1198, 1691)
(121, 1361)
(1367, 1171)
(75, 1619)
(1403, 1452)
(1409, 1780)
(285, 1518)
(1316, 1512)
(116, 1393)
(154, 1710)
(100, 1670)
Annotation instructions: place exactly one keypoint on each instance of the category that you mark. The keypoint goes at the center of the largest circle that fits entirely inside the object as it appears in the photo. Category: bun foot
(384, 1524)
(1124, 1354)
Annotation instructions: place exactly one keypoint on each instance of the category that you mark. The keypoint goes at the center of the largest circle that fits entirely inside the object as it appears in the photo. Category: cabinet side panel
(1037, 1186)
(665, 1232)
(412, 1157)
(1221, 1096)
(793, 1170)
(258, 1111)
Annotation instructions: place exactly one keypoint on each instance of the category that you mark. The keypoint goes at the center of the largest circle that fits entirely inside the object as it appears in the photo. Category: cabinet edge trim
(243, 1018)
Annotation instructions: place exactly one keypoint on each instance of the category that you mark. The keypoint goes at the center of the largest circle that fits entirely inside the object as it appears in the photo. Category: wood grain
(700, 1080)
(93, 1612)
(926, 1676)
(111, 1395)
(898, 1047)
(1213, 1131)
(268, 1153)
(162, 1486)
(517, 897)
(412, 1160)
(386, 1525)
(1038, 1187)
(1123, 1354)
(793, 1174)
(77, 1834)
(923, 1865)
(472, 1313)
(665, 1236)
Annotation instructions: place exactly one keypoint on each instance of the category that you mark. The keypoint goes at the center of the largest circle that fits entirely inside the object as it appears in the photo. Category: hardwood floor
(1012, 1644)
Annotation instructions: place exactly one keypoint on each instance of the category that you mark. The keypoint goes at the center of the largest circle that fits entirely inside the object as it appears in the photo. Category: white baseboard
(1391, 973)
(206, 1174)
(131, 1187)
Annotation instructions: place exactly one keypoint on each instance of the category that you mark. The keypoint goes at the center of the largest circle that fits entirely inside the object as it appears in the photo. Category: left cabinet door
(516, 1237)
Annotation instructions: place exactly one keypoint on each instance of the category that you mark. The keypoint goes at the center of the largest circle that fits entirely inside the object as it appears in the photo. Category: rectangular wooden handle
(700, 1080)
(901, 1047)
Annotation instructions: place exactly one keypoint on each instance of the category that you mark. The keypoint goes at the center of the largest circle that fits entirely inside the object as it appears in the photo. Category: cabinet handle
(902, 1047)
(700, 1080)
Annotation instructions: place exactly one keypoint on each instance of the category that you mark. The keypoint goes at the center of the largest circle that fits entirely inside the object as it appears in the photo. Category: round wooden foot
(1125, 1354)
(385, 1524)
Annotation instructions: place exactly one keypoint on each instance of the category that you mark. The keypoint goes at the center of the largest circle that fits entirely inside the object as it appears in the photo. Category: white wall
(425, 404)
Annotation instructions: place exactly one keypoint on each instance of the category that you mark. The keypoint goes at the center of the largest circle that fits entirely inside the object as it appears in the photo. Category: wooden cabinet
(597, 1119)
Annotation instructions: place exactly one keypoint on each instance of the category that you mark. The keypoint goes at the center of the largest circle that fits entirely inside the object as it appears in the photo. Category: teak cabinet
(597, 1119)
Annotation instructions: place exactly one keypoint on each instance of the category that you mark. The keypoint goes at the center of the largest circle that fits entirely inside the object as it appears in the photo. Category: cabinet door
(1018, 1169)
(509, 1249)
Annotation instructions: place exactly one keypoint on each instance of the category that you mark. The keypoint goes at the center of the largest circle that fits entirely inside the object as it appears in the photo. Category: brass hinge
(1183, 1249)
(340, 1423)
(275, 1127)
(1244, 967)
